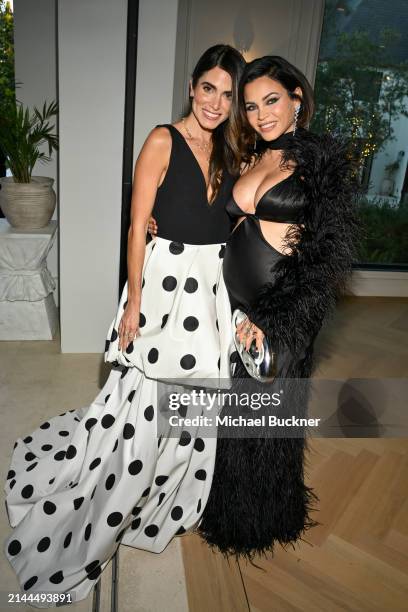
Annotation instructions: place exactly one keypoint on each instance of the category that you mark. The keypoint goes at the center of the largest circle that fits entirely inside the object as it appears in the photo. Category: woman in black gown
(285, 264)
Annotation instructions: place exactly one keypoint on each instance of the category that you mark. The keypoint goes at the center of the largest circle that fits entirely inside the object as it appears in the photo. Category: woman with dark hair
(92, 478)
(285, 264)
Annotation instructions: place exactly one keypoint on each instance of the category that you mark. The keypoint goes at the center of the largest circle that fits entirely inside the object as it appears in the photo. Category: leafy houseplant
(27, 201)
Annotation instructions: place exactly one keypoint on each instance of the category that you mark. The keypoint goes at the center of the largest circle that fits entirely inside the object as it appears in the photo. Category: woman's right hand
(129, 325)
(152, 227)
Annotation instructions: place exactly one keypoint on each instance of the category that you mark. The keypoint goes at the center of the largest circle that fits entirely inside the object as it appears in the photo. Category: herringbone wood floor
(357, 559)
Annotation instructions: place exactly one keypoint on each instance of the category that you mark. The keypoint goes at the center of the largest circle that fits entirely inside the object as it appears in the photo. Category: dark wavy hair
(225, 137)
(290, 77)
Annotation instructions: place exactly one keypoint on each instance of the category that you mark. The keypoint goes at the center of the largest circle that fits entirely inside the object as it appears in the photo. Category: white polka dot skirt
(93, 478)
(185, 319)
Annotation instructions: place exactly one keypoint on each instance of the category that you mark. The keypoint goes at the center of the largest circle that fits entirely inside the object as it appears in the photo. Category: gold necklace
(203, 147)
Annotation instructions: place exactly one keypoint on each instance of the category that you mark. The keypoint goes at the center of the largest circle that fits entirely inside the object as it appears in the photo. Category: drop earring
(297, 111)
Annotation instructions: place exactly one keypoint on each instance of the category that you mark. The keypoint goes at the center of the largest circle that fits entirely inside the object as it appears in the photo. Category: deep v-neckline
(199, 169)
(268, 191)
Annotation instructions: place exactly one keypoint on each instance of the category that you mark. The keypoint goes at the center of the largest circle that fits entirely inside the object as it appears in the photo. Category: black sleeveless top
(181, 208)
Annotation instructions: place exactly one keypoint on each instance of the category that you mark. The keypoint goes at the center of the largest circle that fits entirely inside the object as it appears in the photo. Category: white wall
(290, 28)
(155, 66)
(35, 68)
(91, 49)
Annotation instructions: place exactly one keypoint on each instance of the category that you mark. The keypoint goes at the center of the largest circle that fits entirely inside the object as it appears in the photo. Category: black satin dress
(249, 259)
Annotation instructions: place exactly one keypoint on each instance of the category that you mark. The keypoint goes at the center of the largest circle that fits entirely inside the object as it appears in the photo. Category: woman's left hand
(247, 332)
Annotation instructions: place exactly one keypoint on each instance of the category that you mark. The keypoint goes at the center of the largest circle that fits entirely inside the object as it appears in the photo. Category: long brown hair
(225, 151)
(290, 77)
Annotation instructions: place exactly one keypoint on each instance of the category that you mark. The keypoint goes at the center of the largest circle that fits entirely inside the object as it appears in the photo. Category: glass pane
(362, 93)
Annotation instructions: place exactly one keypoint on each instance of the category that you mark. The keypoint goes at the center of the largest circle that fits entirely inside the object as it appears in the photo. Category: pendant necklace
(205, 148)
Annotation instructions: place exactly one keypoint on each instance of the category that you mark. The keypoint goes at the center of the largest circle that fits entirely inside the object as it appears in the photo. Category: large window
(361, 92)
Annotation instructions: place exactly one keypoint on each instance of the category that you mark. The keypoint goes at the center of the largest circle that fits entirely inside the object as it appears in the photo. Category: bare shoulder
(158, 139)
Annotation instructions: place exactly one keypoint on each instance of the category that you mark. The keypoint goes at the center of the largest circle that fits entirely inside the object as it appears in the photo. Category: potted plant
(28, 202)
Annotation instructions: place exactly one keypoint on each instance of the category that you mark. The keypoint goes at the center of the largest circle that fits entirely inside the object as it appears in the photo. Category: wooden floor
(358, 558)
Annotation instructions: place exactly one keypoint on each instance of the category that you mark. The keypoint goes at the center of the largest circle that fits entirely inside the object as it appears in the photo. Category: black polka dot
(90, 423)
(161, 497)
(32, 466)
(93, 492)
(27, 440)
(120, 534)
(169, 283)
(190, 285)
(29, 456)
(149, 413)
(190, 324)
(136, 510)
(30, 582)
(146, 492)
(106, 398)
(129, 348)
(49, 507)
(95, 463)
(201, 474)
(176, 248)
(151, 530)
(114, 335)
(71, 451)
(110, 481)
(176, 513)
(128, 431)
(221, 252)
(135, 467)
(64, 433)
(131, 396)
(52, 480)
(114, 519)
(199, 506)
(199, 444)
(180, 531)
(125, 303)
(124, 371)
(45, 425)
(115, 446)
(12, 483)
(187, 362)
(11, 474)
(219, 363)
(153, 355)
(107, 421)
(60, 455)
(107, 344)
(78, 502)
(215, 289)
(27, 491)
(46, 447)
(164, 320)
(67, 540)
(185, 438)
(142, 320)
(143, 281)
(216, 325)
(160, 480)
(88, 530)
(234, 357)
(14, 547)
(182, 410)
(93, 570)
(43, 544)
(57, 577)
(136, 522)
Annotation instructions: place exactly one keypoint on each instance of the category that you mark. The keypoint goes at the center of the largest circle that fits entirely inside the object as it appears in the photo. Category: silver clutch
(261, 365)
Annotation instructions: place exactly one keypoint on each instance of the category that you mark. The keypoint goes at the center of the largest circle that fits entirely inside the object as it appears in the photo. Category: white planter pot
(28, 205)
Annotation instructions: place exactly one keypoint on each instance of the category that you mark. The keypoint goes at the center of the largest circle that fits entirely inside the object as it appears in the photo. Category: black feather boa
(258, 496)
